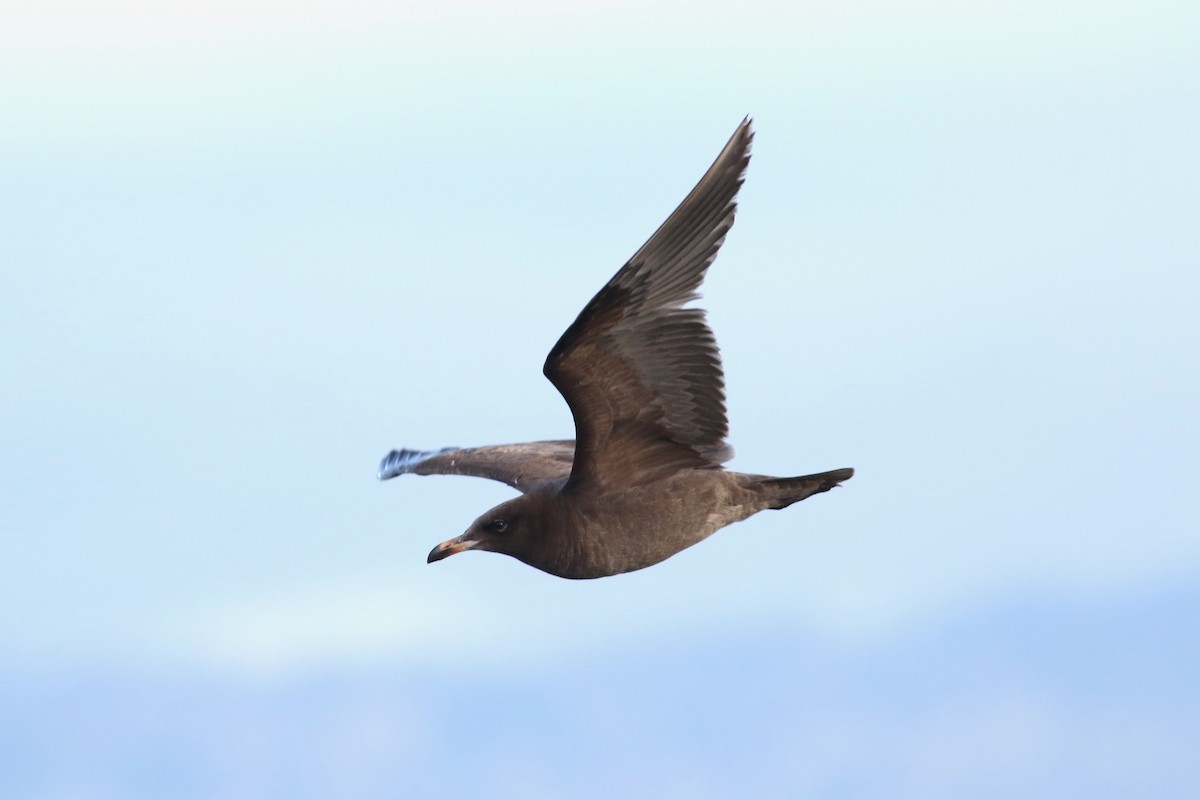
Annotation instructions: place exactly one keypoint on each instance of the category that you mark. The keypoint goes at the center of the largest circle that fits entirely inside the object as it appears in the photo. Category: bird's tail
(782, 492)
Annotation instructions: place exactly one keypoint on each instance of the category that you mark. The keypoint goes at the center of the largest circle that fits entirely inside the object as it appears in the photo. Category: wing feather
(641, 373)
(522, 466)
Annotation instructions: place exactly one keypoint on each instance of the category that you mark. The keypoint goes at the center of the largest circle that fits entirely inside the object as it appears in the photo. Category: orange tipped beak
(450, 547)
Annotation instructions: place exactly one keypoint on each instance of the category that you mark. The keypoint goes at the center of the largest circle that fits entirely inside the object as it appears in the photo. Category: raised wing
(522, 466)
(641, 373)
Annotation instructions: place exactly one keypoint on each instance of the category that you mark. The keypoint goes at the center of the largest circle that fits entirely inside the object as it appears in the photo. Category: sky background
(247, 248)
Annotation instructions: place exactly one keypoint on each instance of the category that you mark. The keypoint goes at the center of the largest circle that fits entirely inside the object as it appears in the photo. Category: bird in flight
(641, 373)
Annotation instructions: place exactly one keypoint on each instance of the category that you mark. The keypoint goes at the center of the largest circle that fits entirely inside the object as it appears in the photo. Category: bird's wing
(641, 373)
(522, 466)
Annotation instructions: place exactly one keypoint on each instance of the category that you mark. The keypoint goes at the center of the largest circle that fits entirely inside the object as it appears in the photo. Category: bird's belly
(640, 528)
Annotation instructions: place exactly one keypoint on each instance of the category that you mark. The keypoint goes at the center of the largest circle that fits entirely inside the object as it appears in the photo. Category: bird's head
(507, 529)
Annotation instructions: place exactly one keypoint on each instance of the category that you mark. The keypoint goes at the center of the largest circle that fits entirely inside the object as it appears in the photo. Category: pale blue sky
(246, 249)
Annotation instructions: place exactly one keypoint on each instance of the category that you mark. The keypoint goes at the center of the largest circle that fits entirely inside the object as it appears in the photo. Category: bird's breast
(623, 531)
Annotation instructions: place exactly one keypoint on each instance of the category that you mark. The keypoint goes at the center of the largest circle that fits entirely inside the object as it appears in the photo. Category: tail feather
(782, 492)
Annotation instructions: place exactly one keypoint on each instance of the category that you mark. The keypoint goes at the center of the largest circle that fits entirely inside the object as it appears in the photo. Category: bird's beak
(450, 547)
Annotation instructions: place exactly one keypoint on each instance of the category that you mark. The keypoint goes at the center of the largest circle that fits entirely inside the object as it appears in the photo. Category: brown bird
(642, 375)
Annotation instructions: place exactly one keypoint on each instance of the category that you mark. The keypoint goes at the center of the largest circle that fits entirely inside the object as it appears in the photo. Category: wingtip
(747, 129)
(398, 462)
(739, 147)
(386, 464)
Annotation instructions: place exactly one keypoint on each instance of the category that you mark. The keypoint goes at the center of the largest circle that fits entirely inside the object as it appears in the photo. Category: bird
(641, 373)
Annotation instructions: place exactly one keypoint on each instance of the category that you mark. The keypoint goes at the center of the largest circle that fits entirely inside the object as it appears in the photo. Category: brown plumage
(642, 375)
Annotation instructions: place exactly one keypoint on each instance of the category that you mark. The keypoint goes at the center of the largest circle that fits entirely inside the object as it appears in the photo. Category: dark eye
(498, 525)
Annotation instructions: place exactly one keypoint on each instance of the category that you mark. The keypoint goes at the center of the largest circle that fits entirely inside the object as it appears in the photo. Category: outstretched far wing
(641, 373)
(522, 466)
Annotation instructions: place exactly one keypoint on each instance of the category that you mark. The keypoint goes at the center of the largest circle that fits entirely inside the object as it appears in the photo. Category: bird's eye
(498, 525)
